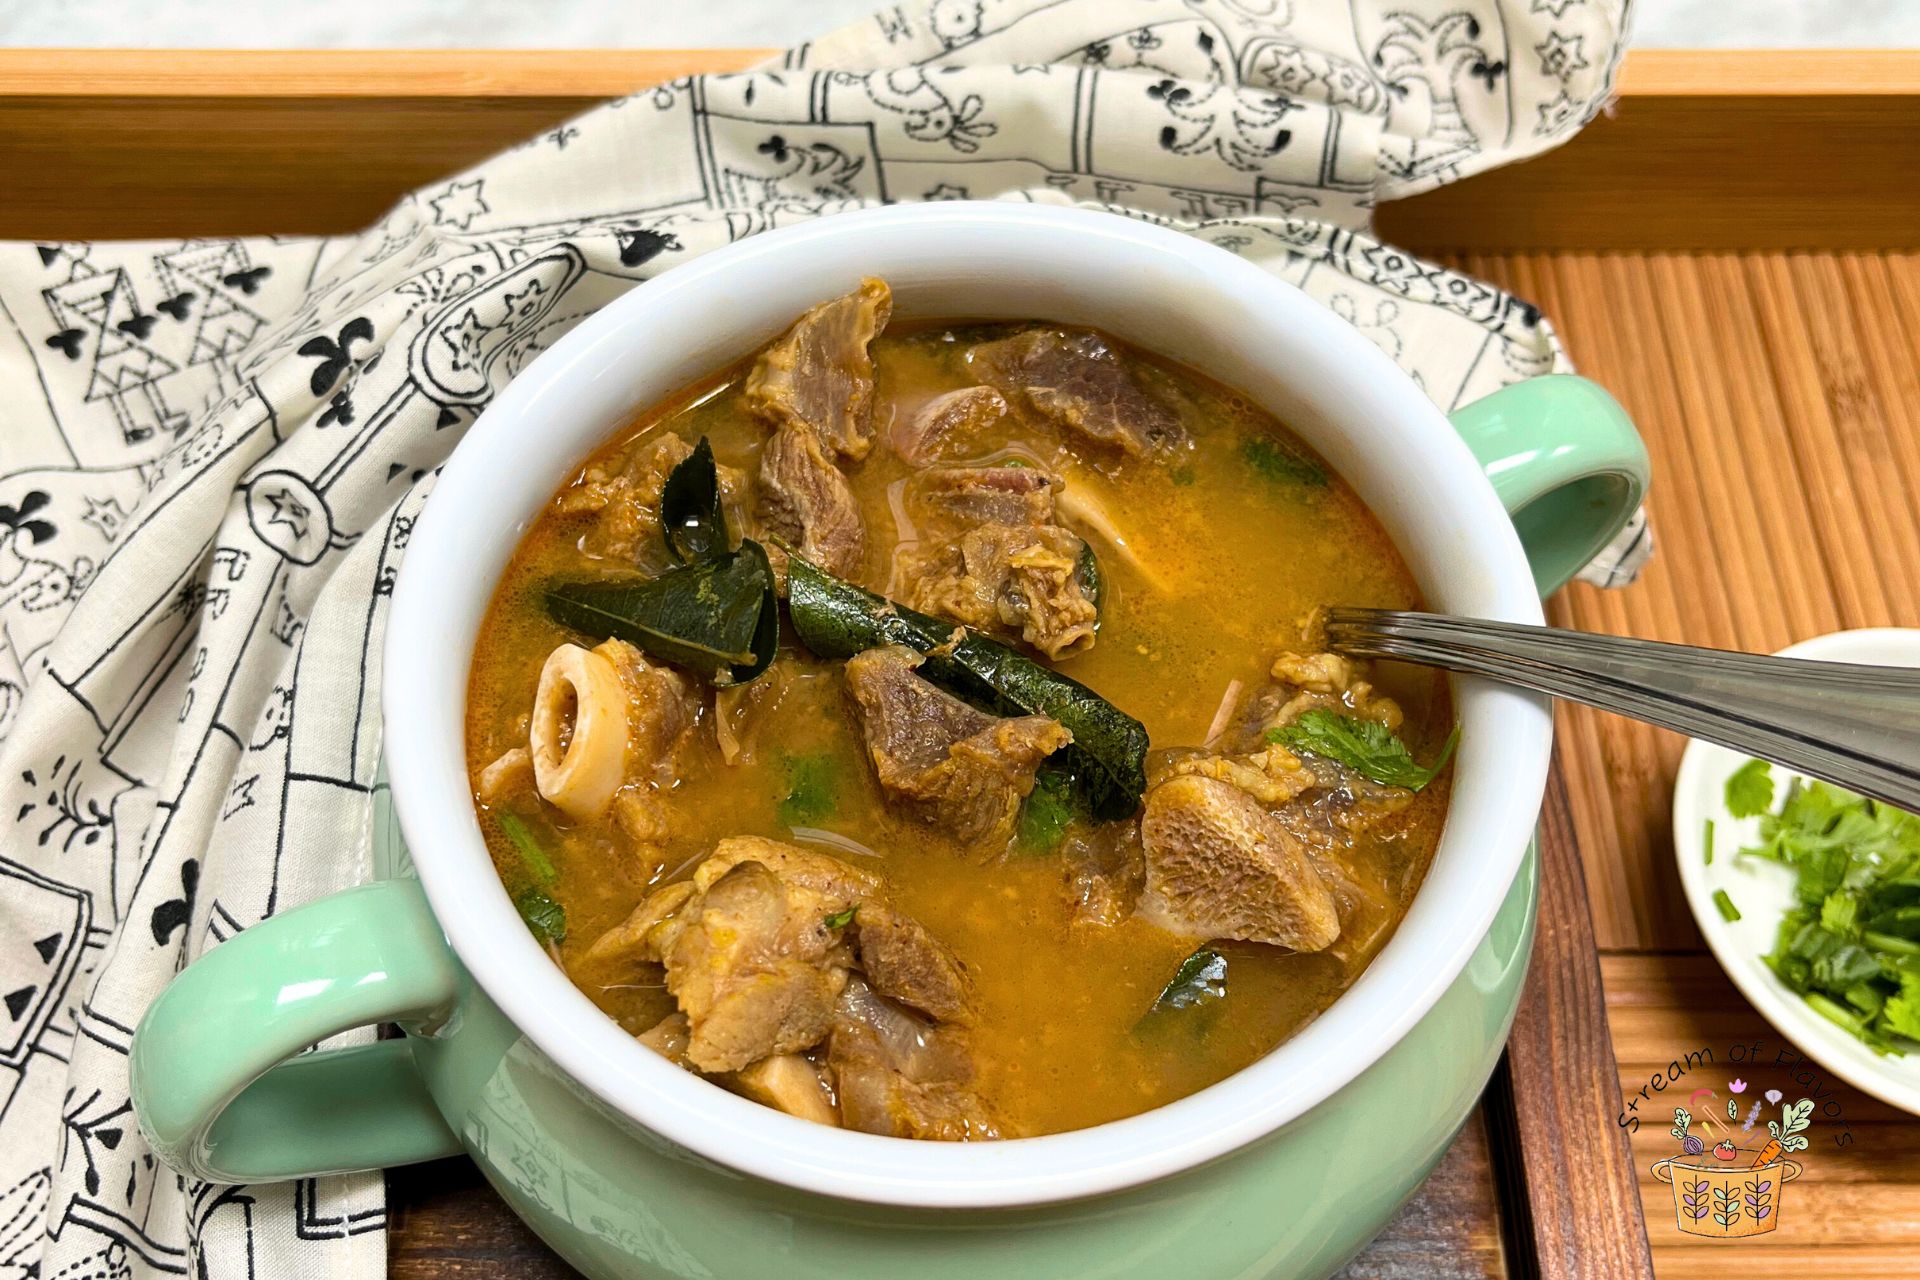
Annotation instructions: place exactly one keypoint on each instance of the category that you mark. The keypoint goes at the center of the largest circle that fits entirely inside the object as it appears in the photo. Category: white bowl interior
(1763, 891)
(1158, 288)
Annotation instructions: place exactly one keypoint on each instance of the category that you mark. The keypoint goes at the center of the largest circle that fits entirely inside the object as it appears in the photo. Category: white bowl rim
(1501, 765)
(1701, 769)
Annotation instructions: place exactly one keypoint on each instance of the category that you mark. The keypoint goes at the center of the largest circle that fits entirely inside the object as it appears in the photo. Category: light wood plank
(1856, 1207)
(1708, 1261)
(1872, 309)
(1780, 403)
(1622, 763)
(1769, 73)
(1648, 73)
(1869, 539)
(370, 74)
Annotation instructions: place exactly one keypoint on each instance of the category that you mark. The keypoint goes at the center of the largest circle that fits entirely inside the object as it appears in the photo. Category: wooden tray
(1734, 250)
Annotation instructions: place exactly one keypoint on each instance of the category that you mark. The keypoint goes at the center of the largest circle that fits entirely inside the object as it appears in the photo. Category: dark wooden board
(1565, 1170)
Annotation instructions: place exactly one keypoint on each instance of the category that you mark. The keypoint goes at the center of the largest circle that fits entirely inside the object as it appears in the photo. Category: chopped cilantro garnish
(1046, 811)
(1850, 944)
(1750, 790)
(811, 783)
(547, 918)
(842, 918)
(529, 849)
(1366, 746)
(1276, 462)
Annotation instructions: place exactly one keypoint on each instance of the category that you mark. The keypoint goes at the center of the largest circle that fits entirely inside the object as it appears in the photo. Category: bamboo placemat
(1779, 394)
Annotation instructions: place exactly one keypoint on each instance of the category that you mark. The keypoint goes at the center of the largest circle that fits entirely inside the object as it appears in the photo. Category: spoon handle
(1852, 725)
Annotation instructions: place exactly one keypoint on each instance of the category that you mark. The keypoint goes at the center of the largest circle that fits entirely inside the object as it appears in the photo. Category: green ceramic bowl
(631, 1167)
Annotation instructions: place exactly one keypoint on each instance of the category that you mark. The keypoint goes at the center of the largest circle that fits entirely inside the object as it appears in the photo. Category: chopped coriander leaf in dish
(1850, 944)
(547, 918)
(1366, 746)
(1750, 790)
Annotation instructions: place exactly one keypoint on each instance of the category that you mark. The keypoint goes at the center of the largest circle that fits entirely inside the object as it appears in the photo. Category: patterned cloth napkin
(211, 453)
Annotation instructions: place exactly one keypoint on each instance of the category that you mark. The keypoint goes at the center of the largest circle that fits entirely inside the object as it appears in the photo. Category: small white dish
(1762, 891)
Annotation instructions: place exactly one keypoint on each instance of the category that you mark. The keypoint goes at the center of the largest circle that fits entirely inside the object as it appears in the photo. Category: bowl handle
(1567, 464)
(217, 1087)
(1661, 1169)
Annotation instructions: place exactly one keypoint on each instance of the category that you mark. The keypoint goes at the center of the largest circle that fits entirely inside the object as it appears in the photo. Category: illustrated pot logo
(1724, 1203)
(1726, 1185)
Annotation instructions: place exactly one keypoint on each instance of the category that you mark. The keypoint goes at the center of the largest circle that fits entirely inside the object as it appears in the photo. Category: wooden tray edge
(548, 73)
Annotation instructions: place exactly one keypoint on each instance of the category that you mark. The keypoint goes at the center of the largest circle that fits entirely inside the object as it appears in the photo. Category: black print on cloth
(214, 451)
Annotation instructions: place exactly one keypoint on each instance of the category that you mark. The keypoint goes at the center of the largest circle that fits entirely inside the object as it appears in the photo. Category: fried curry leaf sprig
(715, 613)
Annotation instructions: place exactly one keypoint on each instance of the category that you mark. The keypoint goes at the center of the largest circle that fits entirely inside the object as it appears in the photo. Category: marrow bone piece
(579, 732)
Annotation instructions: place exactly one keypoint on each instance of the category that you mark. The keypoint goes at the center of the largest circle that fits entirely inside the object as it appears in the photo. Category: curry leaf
(547, 918)
(718, 617)
(1200, 979)
(1107, 757)
(1093, 583)
(842, 918)
(1191, 1000)
(691, 520)
(1366, 746)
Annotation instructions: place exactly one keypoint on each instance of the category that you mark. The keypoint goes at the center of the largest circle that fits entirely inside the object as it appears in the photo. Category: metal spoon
(1852, 725)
